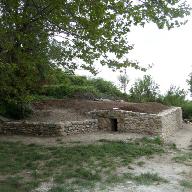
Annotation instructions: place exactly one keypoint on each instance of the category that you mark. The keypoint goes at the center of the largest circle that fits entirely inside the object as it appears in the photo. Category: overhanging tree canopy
(37, 34)
(88, 30)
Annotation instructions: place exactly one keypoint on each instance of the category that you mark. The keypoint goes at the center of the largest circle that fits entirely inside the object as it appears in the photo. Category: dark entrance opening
(113, 125)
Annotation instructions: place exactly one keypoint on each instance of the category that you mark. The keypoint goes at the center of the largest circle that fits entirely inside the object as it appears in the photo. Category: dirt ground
(56, 115)
(182, 138)
(75, 110)
(88, 105)
(163, 165)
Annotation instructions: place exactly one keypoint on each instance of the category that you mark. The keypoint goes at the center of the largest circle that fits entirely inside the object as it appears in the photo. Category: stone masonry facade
(48, 129)
(163, 124)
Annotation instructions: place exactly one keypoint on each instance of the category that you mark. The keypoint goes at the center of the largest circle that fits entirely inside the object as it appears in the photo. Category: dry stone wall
(128, 121)
(163, 124)
(75, 127)
(142, 123)
(47, 129)
(171, 121)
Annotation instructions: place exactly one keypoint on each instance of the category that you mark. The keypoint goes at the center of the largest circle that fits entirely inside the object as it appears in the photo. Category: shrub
(144, 90)
(57, 91)
(187, 110)
(64, 77)
(81, 87)
(175, 96)
(16, 110)
(78, 80)
(62, 91)
(84, 92)
(107, 89)
(16, 82)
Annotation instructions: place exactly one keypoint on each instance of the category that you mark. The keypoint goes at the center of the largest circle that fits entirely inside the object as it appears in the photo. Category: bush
(70, 85)
(187, 110)
(107, 89)
(16, 110)
(84, 92)
(57, 91)
(62, 91)
(16, 82)
(144, 90)
(78, 80)
(174, 97)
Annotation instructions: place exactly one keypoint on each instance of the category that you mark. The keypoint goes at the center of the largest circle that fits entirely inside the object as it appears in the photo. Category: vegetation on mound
(24, 167)
(69, 85)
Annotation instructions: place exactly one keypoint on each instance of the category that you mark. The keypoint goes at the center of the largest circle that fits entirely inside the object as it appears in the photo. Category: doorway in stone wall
(114, 124)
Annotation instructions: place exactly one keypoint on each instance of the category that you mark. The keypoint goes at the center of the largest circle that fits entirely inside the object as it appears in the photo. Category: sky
(170, 52)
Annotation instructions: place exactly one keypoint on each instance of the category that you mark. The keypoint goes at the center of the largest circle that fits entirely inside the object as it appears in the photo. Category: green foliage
(14, 90)
(187, 110)
(63, 91)
(144, 90)
(30, 47)
(189, 81)
(89, 31)
(107, 89)
(70, 85)
(17, 110)
(175, 96)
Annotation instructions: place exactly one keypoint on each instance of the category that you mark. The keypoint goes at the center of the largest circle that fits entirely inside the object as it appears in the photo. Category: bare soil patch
(76, 109)
(88, 105)
(183, 137)
(56, 115)
(165, 167)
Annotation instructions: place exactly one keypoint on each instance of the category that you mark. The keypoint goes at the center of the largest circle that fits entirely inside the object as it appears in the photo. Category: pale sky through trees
(169, 51)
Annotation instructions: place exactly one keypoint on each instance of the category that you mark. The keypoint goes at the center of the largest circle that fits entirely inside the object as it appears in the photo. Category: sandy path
(89, 138)
(164, 166)
(183, 137)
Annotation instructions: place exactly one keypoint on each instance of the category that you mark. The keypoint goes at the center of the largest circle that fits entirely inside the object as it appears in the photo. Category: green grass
(186, 184)
(142, 179)
(77, 167)
(140, 163)
(185, 158)
(173, 146)
(148, 179)
(16, 183)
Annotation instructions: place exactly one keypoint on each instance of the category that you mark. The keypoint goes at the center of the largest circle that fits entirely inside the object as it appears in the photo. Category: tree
(88, 30)
(189, 81)
(144, 90)
(124, 80)
(37, 35)
(175, 96)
